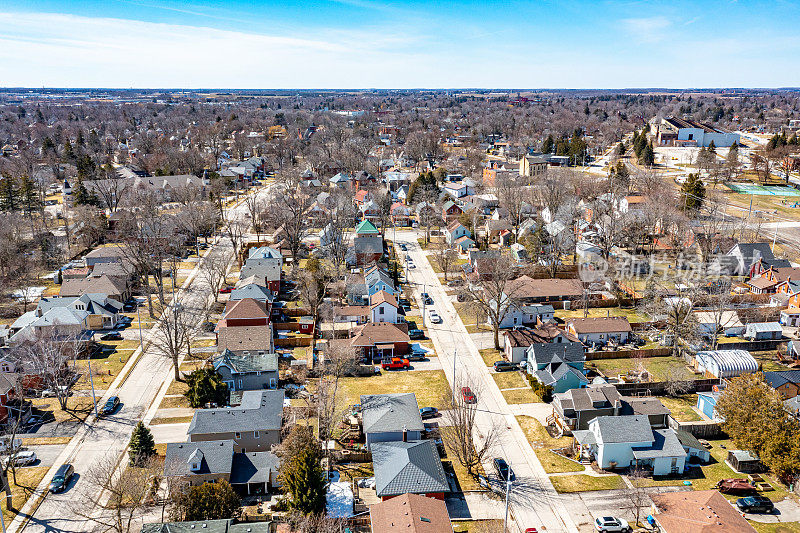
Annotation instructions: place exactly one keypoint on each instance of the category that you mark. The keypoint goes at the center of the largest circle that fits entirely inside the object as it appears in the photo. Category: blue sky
(391, 44)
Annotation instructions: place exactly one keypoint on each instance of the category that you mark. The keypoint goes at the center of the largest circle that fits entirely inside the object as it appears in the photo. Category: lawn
(537, 434)
(177, 387)
(78, 408)
(174, 401)
(28, 479)
(171, 420)
(582, 482)
(40, 441)
(490, 355)
(477, 526)
(508, 380)
(430, 386)
(466, 312)
(554, 463)
(682, 408)
(658, 367)
(783, 527)
(768, 361)
(520, 396)
(204, 343)
(465, 480)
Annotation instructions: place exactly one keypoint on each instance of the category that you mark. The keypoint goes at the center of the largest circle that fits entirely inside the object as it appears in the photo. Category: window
(237, 435)
(255, 435)
(380, 310)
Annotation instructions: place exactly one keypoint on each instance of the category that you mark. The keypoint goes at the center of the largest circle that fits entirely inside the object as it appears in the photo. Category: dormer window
(195, 461)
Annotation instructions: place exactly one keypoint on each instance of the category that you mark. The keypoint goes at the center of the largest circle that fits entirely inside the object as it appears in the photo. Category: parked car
(434, 317)
(226, 290)
(208, 326)
(755, 504)
(403, 247)
(62, 478)
(23, 458)
(611, 524)
(417, 356)
(416, 334)
(503, 470)
(395, 363)
(504, 366)
(427, 298)
(468, 395)
(130, 305)
(428, 412)
(113, 336)
(110, 406)
(531, 530)
(7, 445)
(411, 265)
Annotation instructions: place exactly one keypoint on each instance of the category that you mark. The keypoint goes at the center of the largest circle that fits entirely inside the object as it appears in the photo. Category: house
(462, 244)
(531, 290)
(744, 461)
(366, 228)
(575, 408)
(725, 363)
(401, 214)
(450, 210)
(693, 447)
(410, 513)
(498, 231)
(359, 314)
(245, 339)
(247, 372)
(255, 425)
(250, 288)
(106, 254)
(458, 189)
(266, 265)
(456, 230)
(245, 312)
(412, 467)
(699, 511)
(786, 382)
(725, 322)
(744, 258)
(390, 418)
(516, 341)
(383, 307)
(211, 461)
(65, 322)
(225, 525)
(558, 364)
(526, 314)
(374, 279)
(111, 286)
(627, 441)
(340, 181)
(532, 166)
(600, 330)
(366, 250)
(790, 317)
(760, 331)
(104, 312)
(675, 131)
(380, 339)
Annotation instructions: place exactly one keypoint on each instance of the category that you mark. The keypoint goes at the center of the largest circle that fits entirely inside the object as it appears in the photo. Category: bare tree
(313, 286)
(494, 293)
(445, 256)
(677, 384)
(636, 497)
(235, 229)
(126, 493)
(288, 211)
(174, 332)
(213, 269)
(470, 444)
(339, 217)
(255, 212)
(338, 361)
(51, 353)
(112, 190)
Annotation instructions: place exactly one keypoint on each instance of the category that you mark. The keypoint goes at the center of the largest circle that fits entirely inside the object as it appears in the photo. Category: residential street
(98, 437)
(534, 501)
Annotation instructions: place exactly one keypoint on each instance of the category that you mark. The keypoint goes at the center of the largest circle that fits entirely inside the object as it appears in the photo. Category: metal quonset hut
(725, 363)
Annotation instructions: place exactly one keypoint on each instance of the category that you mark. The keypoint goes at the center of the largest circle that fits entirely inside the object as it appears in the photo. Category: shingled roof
(390, 412)
(407, 467)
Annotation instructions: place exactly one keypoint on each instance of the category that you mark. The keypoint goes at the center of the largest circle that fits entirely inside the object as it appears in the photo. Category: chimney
(617, 407)
(405, 434)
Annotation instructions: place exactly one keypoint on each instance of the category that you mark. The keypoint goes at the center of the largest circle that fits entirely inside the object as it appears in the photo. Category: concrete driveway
(786, 510)
(47, 453)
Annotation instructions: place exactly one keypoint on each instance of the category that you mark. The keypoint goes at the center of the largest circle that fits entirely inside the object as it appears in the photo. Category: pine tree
(621, 149)
(694, 192)
(648, 157)
(29, 196)
(142, 446)
(301, 471)
(8, 194)
(548, 144)
(69, 154)
(712, 147)
(206, 386)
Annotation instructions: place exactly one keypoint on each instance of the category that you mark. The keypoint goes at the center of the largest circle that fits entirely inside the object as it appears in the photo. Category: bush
(206, 386)
(545, 392)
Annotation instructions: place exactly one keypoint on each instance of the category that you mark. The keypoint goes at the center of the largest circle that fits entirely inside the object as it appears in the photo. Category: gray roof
(744, 455)
(544, 353)
(368, 244)
(253, 467)
(781, 377)
(390, 412)
(217, 457)
(244, 364)
(254, 291)
(665, 444)
(413, 467)
(760, 327)
(554, 373)
(208, 526)
(264, 252)
(619, 429)
(260, 411)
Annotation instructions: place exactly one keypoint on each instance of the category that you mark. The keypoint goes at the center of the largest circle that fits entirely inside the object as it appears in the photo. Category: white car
(434, 317)
(611, 524)
(411, 264)
(24, 458)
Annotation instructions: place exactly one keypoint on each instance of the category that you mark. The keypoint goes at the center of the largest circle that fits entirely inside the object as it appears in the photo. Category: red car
(531, 530)
(395, 363)
(225, 290)
(468, 395)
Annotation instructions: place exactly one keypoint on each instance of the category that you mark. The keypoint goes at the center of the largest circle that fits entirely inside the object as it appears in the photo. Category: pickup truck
(395, 363)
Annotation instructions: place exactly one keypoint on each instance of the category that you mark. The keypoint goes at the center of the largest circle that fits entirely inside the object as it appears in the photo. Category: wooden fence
(293, 342)
(625, 354)
(659, 388)
(702, 429)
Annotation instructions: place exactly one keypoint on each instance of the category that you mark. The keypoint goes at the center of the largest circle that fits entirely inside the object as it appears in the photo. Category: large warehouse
(674, 131)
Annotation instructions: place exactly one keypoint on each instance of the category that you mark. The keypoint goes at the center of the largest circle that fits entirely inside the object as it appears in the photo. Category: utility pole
(91, 382)
(508, 495)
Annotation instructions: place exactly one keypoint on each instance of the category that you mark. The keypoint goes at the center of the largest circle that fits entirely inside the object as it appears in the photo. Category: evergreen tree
(142, 446)
(300, 471)
(712, 147)
(8, 194)
(82, 196)
(206, 386)
(639, 144)
(648, 157)
(48, 145)
(69, 154)
(548, 144)
(621, 149)
(29, 196)
(59, 277)
(207, 501)
(694, 192)
(79, 140)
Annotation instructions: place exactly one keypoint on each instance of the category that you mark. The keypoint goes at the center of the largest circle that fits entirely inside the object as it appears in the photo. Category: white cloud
(647, 30)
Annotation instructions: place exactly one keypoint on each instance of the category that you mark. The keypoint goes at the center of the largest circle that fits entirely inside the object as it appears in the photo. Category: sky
(340, 44)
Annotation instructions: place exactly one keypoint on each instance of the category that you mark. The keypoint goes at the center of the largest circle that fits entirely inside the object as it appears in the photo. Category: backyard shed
(744, 461)
(725, 363)
(761, 331)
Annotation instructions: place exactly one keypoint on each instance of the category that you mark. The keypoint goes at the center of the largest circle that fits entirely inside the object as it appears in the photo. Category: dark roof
(782, 377)
(208, 526)
(544, 353)
(263, 414)
(390, 412)
(216, 457)
(407, 467)
(612, 324)
(665, 444)
(241, 364)
(526, 287)
(252, 290)
(241, 338)
(253, 467)
(618, 429)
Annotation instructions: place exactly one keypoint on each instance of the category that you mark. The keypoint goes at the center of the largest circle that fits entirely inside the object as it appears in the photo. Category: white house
(761, 331)
(383, 307)
(526, 314)
(625, 441)
(600, 330)
(727, 321)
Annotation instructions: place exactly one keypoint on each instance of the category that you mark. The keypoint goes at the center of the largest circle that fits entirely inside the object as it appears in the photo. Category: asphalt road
(534, 501)
(99, 437)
